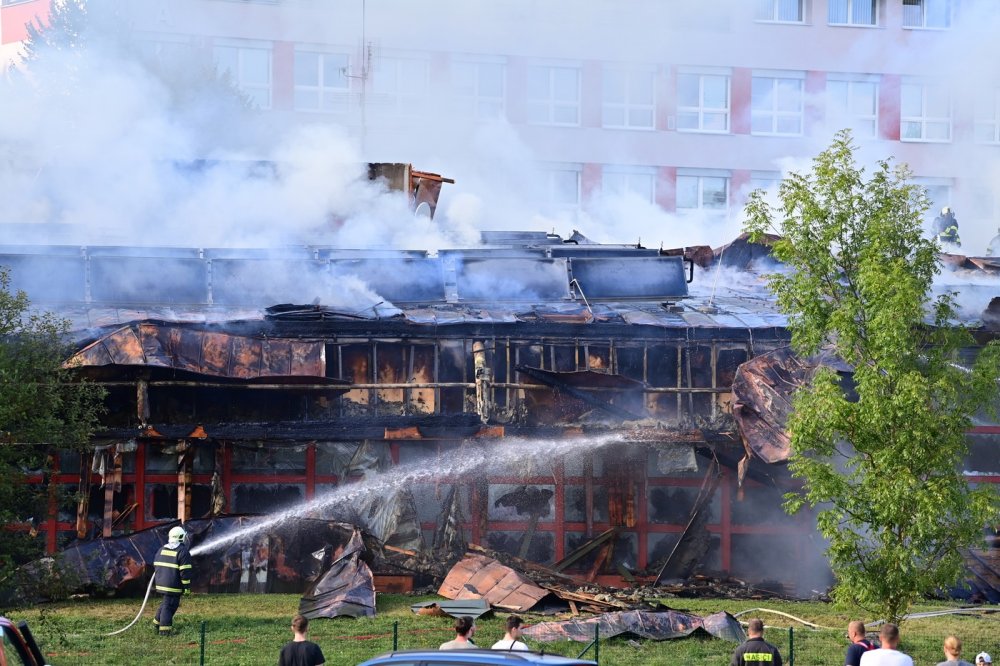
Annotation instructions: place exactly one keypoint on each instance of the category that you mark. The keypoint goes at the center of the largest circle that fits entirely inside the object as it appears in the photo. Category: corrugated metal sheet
(657, 626)
(478, 576)
(205, 352)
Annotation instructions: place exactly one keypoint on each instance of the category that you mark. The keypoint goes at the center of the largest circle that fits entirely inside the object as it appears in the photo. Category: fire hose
(145, 599)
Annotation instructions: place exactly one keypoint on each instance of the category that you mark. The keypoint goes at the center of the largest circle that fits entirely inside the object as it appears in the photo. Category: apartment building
(687, 105)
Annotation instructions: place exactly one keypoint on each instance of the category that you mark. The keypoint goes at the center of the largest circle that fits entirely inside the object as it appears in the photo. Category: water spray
(466, 461)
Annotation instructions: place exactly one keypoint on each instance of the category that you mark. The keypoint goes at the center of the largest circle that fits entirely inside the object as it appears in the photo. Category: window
(249, 68)
(702, 102)
(629, 98)
(853, 103)
(925, 113)
(705, 192)
(852, 12)
(399, 86)
(554, 95)
(988, 116)
(926, 13)
(562, 185)
(782, 11)
(479, 89)
(764, 180)
(776, 105)
(629, 181)
(321, 81)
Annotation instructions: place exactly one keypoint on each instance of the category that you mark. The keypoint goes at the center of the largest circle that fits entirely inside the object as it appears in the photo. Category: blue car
(473, 658)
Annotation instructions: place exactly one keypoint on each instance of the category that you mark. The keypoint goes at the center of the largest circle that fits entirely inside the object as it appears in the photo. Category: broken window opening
(161, 501)
(266, 497)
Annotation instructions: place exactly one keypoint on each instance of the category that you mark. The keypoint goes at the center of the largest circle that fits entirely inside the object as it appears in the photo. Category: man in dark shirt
(300, 651)
(755, 651)
(859, 644)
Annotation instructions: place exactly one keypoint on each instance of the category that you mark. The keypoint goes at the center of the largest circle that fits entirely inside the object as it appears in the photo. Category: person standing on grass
(859, 643)
(953, 653)
(300, 651)
(509, 640)
(887, 655)
(465, 628)
(755, 651)
(172, 577)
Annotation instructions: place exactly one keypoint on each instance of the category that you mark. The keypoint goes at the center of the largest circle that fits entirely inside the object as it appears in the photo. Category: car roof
(483, 656)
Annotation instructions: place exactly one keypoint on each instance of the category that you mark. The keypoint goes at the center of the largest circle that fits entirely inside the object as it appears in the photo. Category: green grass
(250, 629)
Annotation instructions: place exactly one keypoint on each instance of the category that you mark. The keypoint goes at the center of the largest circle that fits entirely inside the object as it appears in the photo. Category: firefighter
(172, 573)
(994, 249)
(946, 228)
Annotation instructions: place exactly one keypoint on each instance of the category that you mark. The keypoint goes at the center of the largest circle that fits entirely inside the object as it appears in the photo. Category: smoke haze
(110, 144)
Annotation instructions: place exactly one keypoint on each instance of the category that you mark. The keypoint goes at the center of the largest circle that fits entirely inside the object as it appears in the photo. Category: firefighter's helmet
(177, 534)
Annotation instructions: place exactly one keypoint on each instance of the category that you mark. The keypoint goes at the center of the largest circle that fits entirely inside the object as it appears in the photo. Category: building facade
(687, 105)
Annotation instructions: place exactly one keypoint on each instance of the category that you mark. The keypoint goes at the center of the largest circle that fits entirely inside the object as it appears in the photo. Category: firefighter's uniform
(172, 574)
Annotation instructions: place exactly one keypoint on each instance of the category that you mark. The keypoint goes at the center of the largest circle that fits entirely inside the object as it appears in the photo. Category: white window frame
(849, 114)
(632, 76)
(480, 105)
(545, 107)
(988, 118)
(700, 180)
(701, 109)
(926, 88)
(386, 97)
(260, 93)
(922, 9)
(775, 78)
(327, 96)
(549, 173)
(850, 15)
(627, 177)
(771, 9)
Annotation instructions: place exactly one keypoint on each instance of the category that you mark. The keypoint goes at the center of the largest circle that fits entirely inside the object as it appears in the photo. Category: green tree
(43, 408)
(881, 460)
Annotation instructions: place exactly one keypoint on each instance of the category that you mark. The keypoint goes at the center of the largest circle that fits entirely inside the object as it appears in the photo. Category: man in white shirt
(887, 655)
(509, 640)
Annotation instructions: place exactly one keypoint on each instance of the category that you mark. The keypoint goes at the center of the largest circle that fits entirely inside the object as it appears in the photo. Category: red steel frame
(555, 525)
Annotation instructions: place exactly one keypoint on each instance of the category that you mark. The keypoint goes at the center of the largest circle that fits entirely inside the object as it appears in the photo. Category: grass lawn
(250, 629)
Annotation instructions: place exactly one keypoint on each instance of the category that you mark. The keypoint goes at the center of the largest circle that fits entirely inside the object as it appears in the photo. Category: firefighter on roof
(946, 228)
(172, 575)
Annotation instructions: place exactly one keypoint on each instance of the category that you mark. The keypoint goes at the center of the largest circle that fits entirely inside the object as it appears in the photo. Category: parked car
(478, 657)
(18, 646)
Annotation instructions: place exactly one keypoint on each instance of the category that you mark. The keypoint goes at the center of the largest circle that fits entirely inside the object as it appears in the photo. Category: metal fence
(344, 643)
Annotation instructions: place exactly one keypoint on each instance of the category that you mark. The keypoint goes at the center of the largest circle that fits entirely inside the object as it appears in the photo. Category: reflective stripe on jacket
(172, 569)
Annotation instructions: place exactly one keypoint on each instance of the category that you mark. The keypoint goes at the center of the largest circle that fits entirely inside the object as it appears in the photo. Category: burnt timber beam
(563, 387)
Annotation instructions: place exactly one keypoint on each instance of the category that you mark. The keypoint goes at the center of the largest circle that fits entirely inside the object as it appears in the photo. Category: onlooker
(983, 658)
(755, 651)
(887, 655)
(859, 643)
(509, 640)
(953, 653)
(300, 651)
(465, 628)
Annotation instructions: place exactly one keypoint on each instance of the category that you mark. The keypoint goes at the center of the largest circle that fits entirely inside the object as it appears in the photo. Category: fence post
(202, 662)
(597, 642)
(395, 635)
(791, 646)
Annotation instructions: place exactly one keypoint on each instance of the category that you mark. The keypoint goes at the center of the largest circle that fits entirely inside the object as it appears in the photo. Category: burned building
(244, 381)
